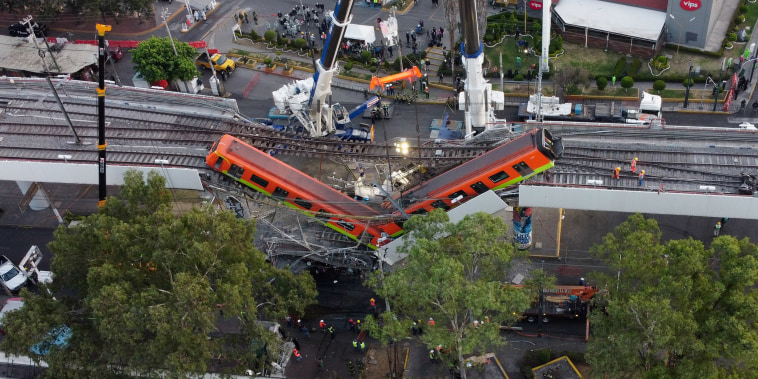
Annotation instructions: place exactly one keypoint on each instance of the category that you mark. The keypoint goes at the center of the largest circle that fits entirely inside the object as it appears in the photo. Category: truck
(553, 110)
(14, 277)
(561, 302)
(220, 62)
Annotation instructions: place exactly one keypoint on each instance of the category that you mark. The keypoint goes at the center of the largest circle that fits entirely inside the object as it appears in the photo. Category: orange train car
(506, 165)
(266, 174)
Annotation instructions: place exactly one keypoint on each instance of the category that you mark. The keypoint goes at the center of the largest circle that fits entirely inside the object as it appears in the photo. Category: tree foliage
(570, 77)
(455, 280)
(155, 60)
(677, 310)
(627, 82)
(85, 10)
(139, 287)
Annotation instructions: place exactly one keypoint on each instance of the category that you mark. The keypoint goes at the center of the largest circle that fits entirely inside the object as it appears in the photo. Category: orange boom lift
(407, 74)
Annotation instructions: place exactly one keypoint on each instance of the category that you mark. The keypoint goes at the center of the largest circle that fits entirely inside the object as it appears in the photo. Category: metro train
(524, 157)
(270, 176)
(503, 166)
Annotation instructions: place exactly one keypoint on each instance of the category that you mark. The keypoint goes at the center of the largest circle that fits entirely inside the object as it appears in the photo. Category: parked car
(11, 277)
(21, 30)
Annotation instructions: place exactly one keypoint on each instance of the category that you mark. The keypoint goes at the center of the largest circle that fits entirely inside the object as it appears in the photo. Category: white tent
(363, 33)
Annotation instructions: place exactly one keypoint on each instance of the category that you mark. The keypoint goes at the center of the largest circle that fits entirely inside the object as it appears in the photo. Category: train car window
(457, 193)
(500, 176)
(440, 204)
(235, 171)
(523, 169)
(280, 194)
(218, 163)
(346, 225)
(321, 215)
(479, 187)
(303, 203)
(420, 211)
(259, 181)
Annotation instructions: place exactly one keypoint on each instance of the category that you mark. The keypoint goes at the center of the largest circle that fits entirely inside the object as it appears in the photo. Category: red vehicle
(298, 190)
(506, 165)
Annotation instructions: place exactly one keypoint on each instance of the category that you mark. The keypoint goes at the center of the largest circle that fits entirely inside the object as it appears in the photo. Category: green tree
(389, 330)
(141, 287)
(155, 60)
(455, 280)
(627, 82)
(677, 309)
(601, 82)
(659, 85)
(269, 36)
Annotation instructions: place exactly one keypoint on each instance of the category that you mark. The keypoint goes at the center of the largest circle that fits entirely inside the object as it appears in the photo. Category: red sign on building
(537, 5)
(690, 5)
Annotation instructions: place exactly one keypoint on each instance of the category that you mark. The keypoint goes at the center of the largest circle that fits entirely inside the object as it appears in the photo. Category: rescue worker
(634, 164)
(331, 331)
(432, 356)
(617, 173)
(322, 325)
(642, 177)
(431, 321)
(351, 322)
(298, 357)
(355, 345)
(363, 346)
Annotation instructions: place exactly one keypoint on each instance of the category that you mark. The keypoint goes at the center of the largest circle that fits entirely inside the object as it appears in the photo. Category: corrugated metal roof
(611, 17)
(20, 54)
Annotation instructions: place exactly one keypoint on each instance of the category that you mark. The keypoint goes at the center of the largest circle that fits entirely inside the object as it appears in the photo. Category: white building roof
(20, 54)
(612, 17)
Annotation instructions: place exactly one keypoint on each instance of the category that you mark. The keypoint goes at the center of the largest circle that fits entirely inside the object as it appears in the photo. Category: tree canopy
(155, 60)
(453, 274)
(140, 288)
(675, 309)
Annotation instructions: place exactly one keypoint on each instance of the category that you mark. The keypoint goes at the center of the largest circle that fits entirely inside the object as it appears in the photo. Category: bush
(536, 27)
(660, 62)
(348, 66)
(518, 78)
(254, 36)
(636, 64)
(731, 37)
(267, 61)
(573, 89)
(365, 56)
(269, 36)
(601, 83)
(688, 82)
(620, 65)
(659, 85)
(743, 9)
(300, 43)
(627, 82)
(739, 19)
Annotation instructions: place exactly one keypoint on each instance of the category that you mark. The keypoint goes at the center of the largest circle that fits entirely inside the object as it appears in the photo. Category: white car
(12, 277)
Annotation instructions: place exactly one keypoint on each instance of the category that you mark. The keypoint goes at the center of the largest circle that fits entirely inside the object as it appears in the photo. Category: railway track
(673, 168)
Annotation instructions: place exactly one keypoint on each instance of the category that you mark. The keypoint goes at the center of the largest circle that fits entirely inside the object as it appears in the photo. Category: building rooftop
(21, 54)
(612, 17)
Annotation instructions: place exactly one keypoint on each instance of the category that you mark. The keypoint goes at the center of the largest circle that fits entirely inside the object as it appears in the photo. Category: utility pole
(164, 16)
(689, 84)
(101, 29)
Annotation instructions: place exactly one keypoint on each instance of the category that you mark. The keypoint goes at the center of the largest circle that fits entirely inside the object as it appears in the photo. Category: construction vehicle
(478, 100)
(560, 302)
(552, 109)
(307, 99)
(13, 277)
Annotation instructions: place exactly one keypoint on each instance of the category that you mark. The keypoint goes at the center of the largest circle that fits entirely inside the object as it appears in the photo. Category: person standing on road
(355, 345)
(331, 331)
(408, 38)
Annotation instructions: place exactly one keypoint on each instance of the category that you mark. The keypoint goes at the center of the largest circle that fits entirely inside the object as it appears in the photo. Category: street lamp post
(681, 31)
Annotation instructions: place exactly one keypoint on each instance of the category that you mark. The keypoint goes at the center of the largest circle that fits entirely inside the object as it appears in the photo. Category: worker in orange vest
(373, 304)
(617, 173)
(322, 325)
(431, 321)
(634, 164)
(298, 357)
